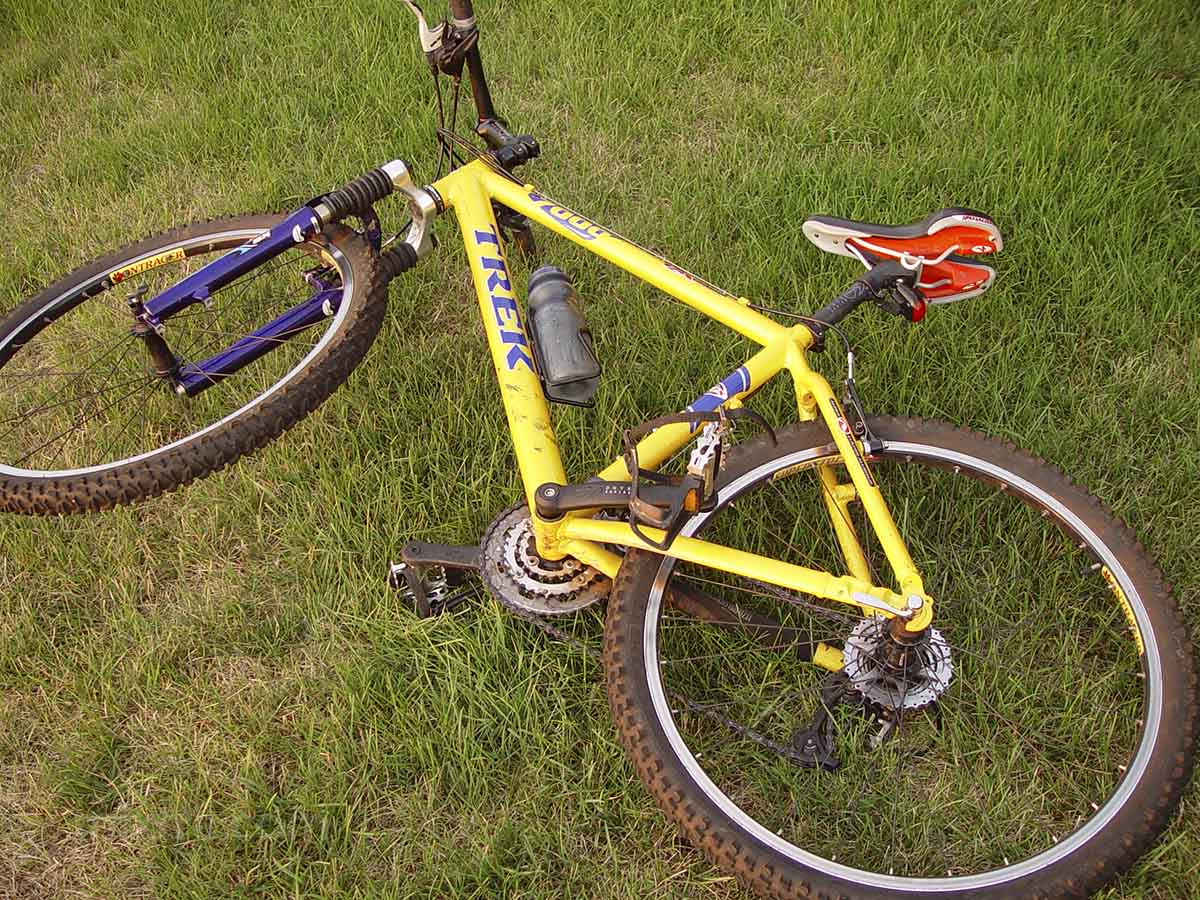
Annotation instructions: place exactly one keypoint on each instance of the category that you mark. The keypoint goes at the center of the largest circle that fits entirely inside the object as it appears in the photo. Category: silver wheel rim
(239, 234)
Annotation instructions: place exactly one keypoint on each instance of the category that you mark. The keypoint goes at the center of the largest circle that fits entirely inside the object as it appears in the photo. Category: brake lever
(911, 303)
(431, 38)
(902, 299)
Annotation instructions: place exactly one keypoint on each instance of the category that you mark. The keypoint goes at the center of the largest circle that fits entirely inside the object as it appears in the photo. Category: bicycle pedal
(432, 577)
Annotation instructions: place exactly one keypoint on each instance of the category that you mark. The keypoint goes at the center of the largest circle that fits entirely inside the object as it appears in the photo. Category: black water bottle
(562, 343)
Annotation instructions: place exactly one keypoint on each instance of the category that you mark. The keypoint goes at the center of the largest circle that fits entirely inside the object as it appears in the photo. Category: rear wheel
(1034, 746)
(86, 422)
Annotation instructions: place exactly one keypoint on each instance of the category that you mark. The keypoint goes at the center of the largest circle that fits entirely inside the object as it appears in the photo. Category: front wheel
(90, 419)
(1035, 744)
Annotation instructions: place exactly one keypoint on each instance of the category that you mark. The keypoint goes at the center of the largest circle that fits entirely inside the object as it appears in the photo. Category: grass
(215, 694)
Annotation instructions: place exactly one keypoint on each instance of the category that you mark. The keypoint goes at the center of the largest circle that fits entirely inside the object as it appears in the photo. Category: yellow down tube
(524, 403)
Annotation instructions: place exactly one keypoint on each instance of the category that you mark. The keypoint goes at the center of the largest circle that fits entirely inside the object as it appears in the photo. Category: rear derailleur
(813, 744)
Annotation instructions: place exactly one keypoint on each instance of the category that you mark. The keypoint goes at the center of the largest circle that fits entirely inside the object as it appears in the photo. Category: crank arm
(463, 557)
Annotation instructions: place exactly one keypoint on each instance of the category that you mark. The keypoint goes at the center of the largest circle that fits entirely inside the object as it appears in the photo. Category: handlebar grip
(869, 286)
(844, 304)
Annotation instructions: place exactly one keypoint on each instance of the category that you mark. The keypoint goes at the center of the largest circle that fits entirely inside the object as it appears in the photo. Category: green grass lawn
(215, 693)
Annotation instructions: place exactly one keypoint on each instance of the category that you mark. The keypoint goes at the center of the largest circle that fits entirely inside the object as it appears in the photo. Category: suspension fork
(297, 228)
(355, 198)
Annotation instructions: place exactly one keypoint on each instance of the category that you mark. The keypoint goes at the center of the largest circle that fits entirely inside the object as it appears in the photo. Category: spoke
(807, 521)
(771, 592)
(74, 428)
(122, 345)
(1021, 734)
(25, 417)
(792, 599)
(125, 430)
(190, 352)
(757, 648)
(143, 406)
(113, 371)
(945, 573)
(213, 374)
(28, 375)
(996, 636)
(242, 284)
(743, 625)
(283, 339)
(734, 726)
(125, 340)
(896, 777)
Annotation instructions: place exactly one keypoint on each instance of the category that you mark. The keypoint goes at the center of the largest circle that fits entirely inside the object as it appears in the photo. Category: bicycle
(798, 725)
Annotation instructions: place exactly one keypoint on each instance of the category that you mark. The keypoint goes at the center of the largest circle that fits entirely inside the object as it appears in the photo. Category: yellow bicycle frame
(469, 191)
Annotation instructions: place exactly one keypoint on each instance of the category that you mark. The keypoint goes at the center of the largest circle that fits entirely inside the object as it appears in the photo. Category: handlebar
(885, 276)
(450, 45)
(462, 11)
(844, 304)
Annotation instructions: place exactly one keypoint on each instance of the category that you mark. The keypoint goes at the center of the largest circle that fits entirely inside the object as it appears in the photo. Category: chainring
(521, 580)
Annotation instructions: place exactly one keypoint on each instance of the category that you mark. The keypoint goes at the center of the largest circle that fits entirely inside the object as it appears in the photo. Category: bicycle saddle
(939, 243)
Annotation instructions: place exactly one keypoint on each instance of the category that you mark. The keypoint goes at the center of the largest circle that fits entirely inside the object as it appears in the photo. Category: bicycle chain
(514, 575)
(556, 633)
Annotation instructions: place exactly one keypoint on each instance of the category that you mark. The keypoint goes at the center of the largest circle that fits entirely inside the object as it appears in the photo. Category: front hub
(166, 366)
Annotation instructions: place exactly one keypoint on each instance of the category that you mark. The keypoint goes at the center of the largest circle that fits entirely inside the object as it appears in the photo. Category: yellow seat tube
(658, 446)
(524, 403)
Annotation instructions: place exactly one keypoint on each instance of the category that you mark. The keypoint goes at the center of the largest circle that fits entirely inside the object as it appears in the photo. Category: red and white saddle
(940, 244)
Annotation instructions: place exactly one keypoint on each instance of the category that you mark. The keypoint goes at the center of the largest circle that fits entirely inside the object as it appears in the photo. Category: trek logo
(571, 221)
(504, 304)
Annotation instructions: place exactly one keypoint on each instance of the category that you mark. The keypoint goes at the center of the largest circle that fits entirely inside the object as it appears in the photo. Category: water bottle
(562, 343)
